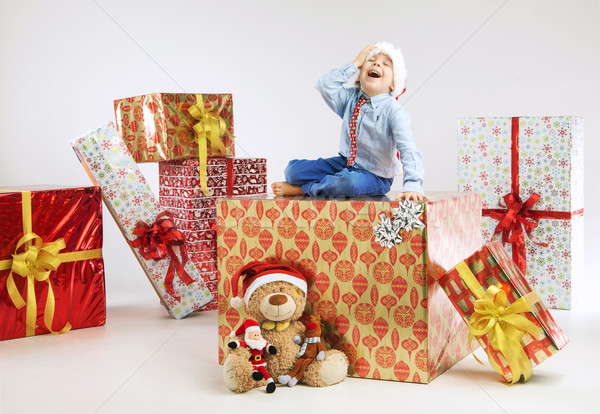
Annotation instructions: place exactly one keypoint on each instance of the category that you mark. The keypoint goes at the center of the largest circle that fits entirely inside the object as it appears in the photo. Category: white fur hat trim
(274, 277)
(395, 54)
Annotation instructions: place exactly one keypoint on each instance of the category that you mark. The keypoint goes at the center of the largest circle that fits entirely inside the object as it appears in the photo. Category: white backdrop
(63, 62)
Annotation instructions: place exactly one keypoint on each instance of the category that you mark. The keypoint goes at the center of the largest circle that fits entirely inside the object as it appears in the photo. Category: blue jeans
(331, 177)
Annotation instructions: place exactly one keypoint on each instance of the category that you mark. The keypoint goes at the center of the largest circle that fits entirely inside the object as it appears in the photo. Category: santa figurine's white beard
(256, 344)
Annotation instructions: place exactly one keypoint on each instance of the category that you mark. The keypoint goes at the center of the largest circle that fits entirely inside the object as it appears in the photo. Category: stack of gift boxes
(403, 288)
(191, 137)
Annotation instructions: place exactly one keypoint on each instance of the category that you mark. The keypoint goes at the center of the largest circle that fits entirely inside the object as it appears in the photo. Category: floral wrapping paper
(194, 213)
(71, 214)
(492, 265)
(159, 127)
(130, 200)
(549, 162)
(379, 304)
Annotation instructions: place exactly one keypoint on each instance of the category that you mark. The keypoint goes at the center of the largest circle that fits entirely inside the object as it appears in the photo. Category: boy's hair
(395, 54)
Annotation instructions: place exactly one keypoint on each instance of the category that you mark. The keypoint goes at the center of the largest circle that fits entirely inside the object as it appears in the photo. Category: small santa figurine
(254, 340)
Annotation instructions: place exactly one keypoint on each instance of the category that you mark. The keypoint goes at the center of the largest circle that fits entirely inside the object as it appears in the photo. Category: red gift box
(51, 266)
(503, 313)
(194, 213)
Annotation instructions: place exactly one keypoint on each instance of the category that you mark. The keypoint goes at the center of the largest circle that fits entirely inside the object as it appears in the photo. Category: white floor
(144, 362)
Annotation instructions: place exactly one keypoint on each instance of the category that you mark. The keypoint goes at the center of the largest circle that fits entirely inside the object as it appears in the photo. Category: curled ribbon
(503, 324)
(156, 242)
(210, 128)
(516, 218)
(35, 260)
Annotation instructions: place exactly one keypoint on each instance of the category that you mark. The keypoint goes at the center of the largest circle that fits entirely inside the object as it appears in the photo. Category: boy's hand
(362, 56)
(412, 196)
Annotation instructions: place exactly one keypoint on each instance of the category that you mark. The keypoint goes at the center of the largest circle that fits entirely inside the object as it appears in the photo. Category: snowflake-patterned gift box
(160, 126)
(134, 207)
(372, 288)
(503, 313)
(194, 213)
(529, 171)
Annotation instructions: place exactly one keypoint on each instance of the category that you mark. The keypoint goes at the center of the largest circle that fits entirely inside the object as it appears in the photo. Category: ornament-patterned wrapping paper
(378, 303)
(490, 266)
(159, 126)
(131, 201)
(73, 294)
(512, 161)
(194, 213)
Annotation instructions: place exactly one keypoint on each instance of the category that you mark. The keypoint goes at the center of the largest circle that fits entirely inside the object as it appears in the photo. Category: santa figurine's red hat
(249, 325)
(256, 274)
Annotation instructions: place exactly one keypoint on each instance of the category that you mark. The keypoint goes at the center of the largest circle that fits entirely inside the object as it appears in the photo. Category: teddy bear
(274, 295)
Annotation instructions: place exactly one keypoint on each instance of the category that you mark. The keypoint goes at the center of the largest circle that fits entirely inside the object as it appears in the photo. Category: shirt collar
(377, 99)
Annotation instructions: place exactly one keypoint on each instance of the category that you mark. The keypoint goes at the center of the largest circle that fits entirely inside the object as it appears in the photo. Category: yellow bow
(209, 128)
(504, 325)
(35, 260)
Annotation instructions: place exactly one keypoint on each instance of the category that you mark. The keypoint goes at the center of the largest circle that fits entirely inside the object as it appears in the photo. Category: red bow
(156, 242)
(516, 218)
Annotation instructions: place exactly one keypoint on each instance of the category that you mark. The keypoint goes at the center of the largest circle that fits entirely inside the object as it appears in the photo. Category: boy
(376, 140)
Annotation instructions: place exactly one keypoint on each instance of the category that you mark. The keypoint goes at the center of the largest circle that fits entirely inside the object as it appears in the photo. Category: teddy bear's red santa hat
(256, 274)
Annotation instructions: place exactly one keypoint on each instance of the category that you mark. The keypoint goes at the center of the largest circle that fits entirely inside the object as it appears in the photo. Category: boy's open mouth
(374, 74)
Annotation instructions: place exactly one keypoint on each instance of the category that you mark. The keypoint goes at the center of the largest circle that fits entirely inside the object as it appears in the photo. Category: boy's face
(377, 75)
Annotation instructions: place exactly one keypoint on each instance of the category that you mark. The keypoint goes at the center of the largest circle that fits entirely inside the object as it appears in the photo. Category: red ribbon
(156, 242)
(229, 176)
(516, 217)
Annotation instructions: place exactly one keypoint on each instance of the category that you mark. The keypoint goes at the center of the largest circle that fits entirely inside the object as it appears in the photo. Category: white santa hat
(249, 325)
(397, 58)
(256, 274)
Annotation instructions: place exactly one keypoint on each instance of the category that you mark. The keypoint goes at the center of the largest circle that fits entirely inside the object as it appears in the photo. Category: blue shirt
(384, 142)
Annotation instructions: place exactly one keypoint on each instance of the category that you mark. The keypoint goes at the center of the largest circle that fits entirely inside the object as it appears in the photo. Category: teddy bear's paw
(293, 381)
(229, 375)
(283, 379)
(334, 368)
(327, 372)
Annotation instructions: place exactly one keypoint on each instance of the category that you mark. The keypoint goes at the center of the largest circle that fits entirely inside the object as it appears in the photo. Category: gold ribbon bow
(36, 260)
(209, 128)
(504, 325)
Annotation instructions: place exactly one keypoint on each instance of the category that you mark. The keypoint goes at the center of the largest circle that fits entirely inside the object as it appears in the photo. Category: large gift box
(159, 246)
(194, 213)
(529, 171)
(51, 267)
(369, 263)
(502, 312)
(169, 126)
